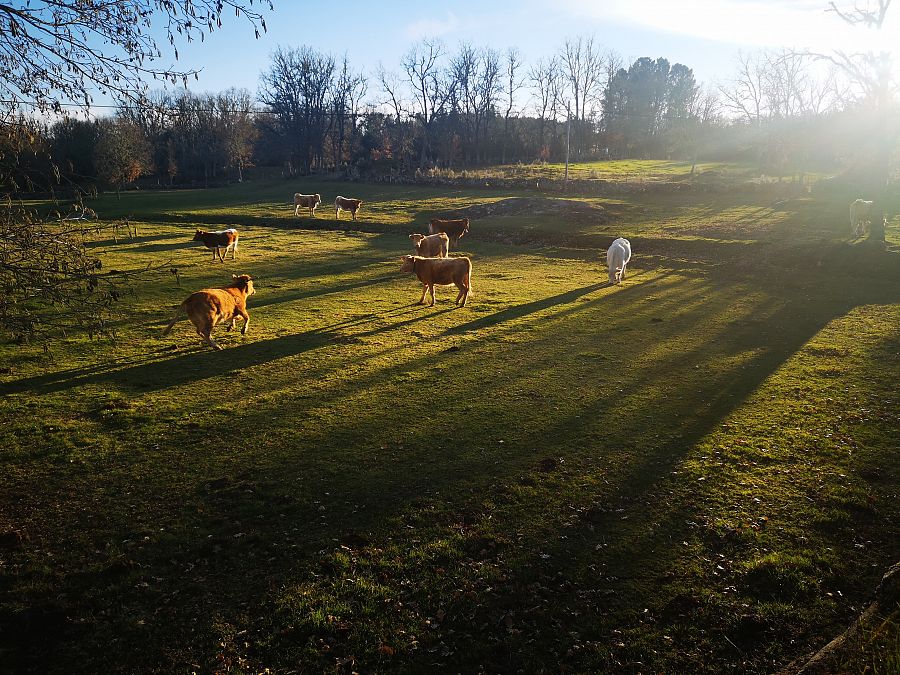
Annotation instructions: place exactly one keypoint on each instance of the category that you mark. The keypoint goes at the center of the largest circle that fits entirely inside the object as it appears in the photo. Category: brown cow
(346, 204)
(308, 201)
(223, 239)
(442, 272)
(452, 228)
(211, 306)
(432, 246)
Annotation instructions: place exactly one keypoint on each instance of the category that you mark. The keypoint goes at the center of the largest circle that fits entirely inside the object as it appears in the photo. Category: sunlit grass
(689, 472)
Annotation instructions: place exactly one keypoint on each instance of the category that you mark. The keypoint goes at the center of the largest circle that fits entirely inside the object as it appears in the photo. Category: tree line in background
(456, 110)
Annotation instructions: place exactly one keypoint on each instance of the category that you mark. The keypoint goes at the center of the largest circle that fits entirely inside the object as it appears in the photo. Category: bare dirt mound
(569, 209)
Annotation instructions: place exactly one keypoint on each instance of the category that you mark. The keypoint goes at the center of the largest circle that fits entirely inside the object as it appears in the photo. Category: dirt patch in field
(571, 210)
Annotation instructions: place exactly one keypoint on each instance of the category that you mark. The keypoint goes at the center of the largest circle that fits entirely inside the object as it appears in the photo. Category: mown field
(694, 471)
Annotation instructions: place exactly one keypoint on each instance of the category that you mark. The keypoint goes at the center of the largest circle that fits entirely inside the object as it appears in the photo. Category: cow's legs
(246, 317)
(432, 296)
(424, 291)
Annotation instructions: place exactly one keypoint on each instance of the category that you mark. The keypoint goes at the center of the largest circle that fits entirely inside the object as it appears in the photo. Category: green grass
(694, 471)
(626, 171)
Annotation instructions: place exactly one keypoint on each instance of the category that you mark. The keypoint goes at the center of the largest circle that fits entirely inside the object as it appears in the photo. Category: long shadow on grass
(244, 577)
(518, 311)
(127, 241)
(156, 373)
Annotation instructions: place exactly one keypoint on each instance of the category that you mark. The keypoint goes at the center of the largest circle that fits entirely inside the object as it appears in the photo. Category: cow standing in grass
(346, 204)
(218, 241)
(307, 201)
(617, 258)
(432, 246)
(440, 272)
(211, 306)
(454, 229)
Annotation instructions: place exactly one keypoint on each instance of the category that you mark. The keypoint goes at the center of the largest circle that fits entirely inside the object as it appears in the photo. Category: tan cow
(440, 272)
(307, 201)
(223, 239)
(452, 228)
(212, 306)
(432, 246)
(346, 204)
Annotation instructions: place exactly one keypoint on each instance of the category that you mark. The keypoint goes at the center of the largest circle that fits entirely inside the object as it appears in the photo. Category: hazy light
(802, 24)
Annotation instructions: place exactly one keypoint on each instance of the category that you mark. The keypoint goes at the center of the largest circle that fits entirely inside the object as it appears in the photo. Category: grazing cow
(452, 228)
(441, 272)
(432, 246)
(307, 201)
(211, 306)
(860, 214)
(223, 239)
(617, 258)
(346, 204)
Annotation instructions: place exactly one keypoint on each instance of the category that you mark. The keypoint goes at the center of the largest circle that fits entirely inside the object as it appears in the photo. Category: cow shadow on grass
(519, 311)
(197, 363)
(155, 372)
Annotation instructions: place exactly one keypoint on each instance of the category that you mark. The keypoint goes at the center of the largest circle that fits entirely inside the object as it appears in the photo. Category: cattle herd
(431, 263)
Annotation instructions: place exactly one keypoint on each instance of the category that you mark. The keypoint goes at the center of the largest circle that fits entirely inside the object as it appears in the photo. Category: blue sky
(705, 35)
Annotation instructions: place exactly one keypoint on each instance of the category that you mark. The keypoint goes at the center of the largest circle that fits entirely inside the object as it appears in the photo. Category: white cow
(617, 258)
(860, 214)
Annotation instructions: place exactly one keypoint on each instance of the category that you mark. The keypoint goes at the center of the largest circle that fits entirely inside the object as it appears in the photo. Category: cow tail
(175, 319)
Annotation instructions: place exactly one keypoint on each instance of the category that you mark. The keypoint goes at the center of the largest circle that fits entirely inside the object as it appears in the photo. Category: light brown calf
(223, 239)
(440, 272)
(307, 201)
(211, 306)
(346, 204)
(432, 246)
(452, 228)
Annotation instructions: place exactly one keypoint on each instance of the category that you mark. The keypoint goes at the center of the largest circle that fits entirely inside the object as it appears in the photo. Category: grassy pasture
(694, 471)
(629, 171)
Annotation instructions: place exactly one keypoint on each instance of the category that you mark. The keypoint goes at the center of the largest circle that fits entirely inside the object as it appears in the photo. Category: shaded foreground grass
(692, 472)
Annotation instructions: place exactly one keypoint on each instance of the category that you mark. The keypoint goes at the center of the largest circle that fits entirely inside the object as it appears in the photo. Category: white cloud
(423, 28)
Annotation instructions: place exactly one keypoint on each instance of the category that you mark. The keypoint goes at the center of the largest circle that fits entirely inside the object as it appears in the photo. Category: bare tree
(238, 132)
(514, 82)
(430, 89)
(392, 86)
(746, 93)
(545, 78)
(122, 153)
(487, 90)
(584, 70)
(296, 88)
(463, 69)
(349, 87)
